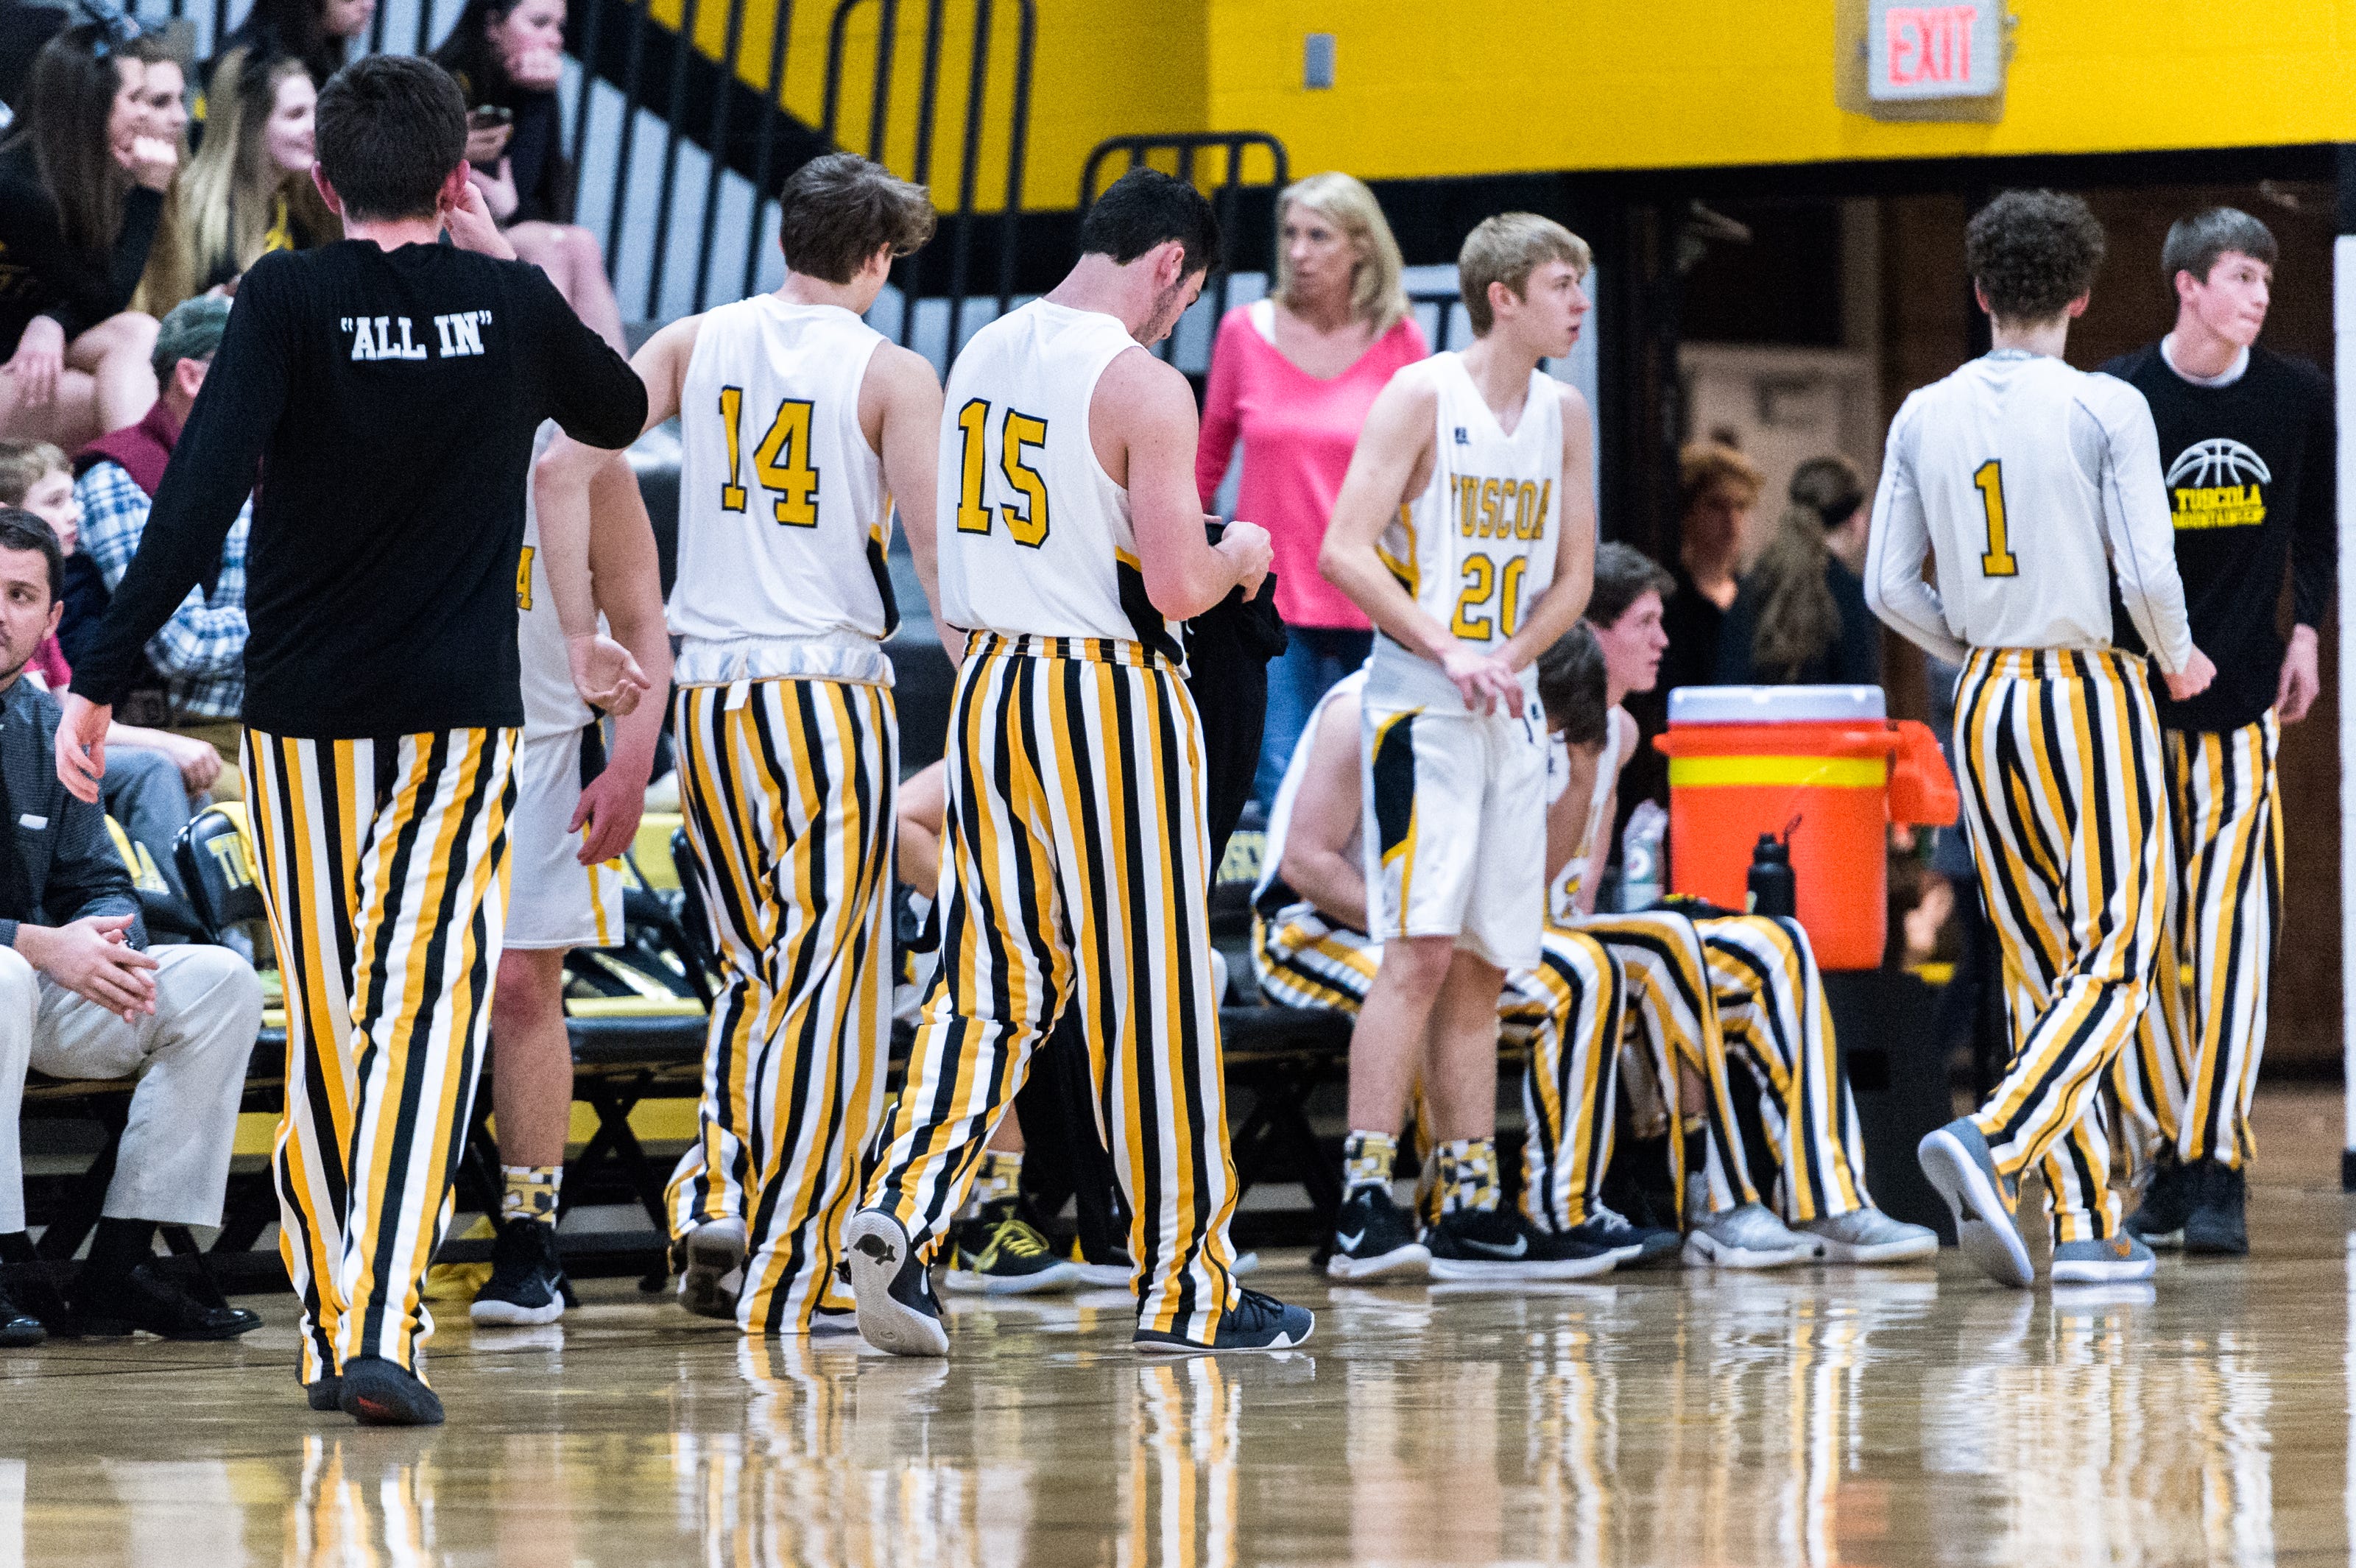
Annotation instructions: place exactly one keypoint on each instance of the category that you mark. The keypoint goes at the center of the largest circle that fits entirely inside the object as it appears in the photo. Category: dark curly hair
(2034, 251)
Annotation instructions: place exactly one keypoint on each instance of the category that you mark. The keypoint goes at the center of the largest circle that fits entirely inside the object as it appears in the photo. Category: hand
(1484, 680)
(150, 161)
(2301, 680)
(604, 674)
(484, 143)
(471, 226)
(1247, 549)
(39, 359)
(92, 957)
(199, 763)
(2194, 679)
(610, 806)
(81, 747)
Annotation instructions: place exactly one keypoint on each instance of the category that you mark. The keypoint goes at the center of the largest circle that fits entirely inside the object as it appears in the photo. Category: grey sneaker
(1869, 1236)
(2102, 1262)
(1746, 1237)
(1958, 1162)
(714, 1271)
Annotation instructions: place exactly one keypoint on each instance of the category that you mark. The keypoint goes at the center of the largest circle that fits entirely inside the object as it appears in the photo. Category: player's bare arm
(625, 577)
(1320, 862)
(1564, 598)
(1143, 426)
(900, 410)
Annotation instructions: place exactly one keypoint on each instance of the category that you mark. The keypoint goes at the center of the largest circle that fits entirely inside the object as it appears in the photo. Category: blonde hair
(1703, 465)
(233, 190)
(1377, 294)
(1506, 249)
(24, 464)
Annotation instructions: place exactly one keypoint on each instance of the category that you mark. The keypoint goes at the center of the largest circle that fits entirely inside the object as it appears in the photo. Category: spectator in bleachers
(1800, 617)
(81, 191)
(1292, 377)
(1717, 488)
(81, 997)
(163, 100)
(160, 772)
(319, 33)
(507, 57)
(249, 189)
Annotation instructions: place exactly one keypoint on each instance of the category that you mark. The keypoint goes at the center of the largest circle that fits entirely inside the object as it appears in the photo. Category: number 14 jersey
(1477, 547)
(783, 517)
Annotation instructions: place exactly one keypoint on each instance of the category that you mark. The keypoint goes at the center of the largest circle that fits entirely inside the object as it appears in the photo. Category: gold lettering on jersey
(2220, 506)
(1488, 509)
(1500, 508)
(523, 577)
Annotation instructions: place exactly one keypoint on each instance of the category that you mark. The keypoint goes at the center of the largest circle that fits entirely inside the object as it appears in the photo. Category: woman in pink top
(1291, 378)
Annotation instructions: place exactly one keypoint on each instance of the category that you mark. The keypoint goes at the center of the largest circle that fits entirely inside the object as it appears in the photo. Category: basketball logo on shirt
(2218, 483)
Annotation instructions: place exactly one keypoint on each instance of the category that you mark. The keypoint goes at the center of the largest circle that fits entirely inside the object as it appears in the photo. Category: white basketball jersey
(1035, 538)
(1271, 893)
(551, 706)
(1594, 845)
(783, 517)
(2034, 483)
(1477, 548)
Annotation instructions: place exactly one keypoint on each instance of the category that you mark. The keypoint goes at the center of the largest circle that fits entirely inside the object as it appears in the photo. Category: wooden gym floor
(1862, 1416)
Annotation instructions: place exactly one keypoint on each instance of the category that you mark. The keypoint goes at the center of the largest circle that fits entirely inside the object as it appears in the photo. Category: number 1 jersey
(783, 515)
(1035, 538)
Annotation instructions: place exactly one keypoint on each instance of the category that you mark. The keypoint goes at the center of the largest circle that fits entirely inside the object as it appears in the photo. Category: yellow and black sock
(1367, 1160)
(998, 1179)
(531, 1191)
(1468, 1174)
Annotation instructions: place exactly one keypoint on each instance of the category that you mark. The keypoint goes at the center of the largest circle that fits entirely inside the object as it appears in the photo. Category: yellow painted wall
(1495, 86)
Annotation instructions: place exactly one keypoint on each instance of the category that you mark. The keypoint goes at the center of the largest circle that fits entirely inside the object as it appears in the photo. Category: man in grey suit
(81, 997)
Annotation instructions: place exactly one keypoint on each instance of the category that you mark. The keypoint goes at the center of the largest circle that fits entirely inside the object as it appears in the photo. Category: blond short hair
(24, 464)
(1506, 249)
(1704, 466)
(1377, 290)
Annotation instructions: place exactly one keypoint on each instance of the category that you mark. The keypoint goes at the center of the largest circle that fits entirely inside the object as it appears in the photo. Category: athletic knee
(529, 993)
(1417, 966)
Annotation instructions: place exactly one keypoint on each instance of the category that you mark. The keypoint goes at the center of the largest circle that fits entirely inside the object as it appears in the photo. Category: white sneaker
(1747, 1237)
(1868, 1236)
(714, 1274)
(2120, 1259)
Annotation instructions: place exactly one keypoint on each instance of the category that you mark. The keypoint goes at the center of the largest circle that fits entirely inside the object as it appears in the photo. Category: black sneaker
(1000, 1255)
(527, 1283)
(1374, 1238)
(1501, 1246)
(378, 1392)
(2167, 1199)
(1635, 1244)
(18, 1328)
(327, 1393)
(146, 1300)
(1256, 1322)
(897, 1309)
(2217, 1225)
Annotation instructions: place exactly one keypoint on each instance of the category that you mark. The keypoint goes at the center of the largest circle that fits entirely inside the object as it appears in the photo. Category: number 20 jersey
(1035, 538)
(783, 517)
(1477, 547)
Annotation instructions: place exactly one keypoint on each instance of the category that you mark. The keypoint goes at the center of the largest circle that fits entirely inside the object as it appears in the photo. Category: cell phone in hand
(490, 117)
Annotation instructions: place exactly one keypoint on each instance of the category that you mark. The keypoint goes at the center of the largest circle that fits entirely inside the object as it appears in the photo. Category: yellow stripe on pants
(1074, 872)
(786, 791)
(383, 867)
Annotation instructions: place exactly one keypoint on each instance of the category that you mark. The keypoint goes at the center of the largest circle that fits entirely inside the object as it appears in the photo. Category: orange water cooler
(1821, 761)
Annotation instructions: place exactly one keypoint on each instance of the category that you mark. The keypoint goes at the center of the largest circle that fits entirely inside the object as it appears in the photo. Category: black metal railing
(1184, 152)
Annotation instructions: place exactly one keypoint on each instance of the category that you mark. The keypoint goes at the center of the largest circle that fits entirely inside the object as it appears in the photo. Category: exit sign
(1916, 51)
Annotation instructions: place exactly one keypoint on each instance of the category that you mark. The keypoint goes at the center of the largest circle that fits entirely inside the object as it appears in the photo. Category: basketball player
(1075, 862)
(576, 810)
(2248, 442)
(1310, 945)
(1465, 530)
(2032, 487)
(800, 426)
(387, 388)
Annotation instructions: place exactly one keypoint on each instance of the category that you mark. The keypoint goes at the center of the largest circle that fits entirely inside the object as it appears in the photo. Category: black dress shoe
(18, 1329)
(146, 1299)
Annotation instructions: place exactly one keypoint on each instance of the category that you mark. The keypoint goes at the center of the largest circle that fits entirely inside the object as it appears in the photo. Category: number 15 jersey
(1477, 547)
(783, 517)
(1035, 538)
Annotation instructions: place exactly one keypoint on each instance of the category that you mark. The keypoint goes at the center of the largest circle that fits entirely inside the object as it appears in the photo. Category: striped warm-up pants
(786, 788)
(383, 864)
(1568, 1011)
(2063, 800)
(1074, 871)
(2194, 1064)
(1712, 988)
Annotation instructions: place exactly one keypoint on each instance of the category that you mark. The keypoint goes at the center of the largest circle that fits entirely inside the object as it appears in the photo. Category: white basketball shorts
(554, 901)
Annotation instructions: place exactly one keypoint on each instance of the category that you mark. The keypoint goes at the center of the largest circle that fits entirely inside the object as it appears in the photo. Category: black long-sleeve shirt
(388, 398)
(42, 275)
(2250, 481)
(1853, 657)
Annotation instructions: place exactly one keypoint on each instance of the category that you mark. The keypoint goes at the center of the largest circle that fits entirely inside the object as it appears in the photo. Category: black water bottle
(1772, 891)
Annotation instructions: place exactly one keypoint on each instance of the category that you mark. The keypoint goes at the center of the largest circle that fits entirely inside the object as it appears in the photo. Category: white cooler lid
(1776, 704)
